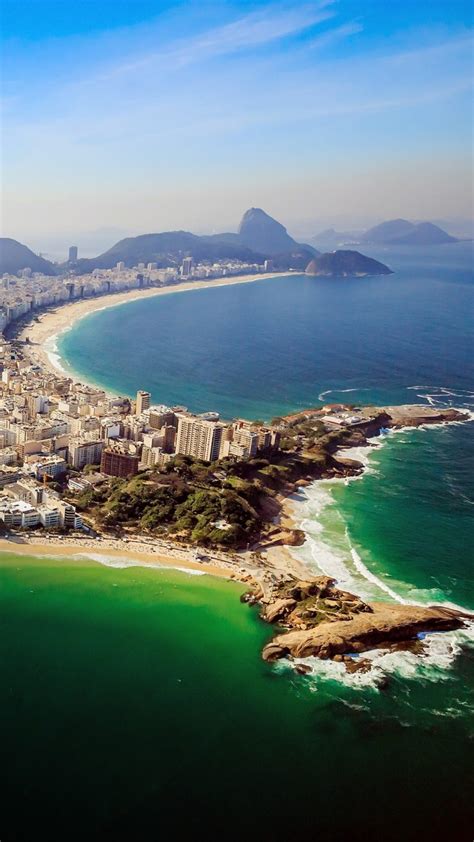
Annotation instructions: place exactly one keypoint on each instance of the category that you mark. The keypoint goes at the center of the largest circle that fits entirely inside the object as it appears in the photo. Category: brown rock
(386, 623)
(278, 610)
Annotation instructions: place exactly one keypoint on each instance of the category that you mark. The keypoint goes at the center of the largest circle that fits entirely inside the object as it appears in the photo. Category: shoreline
(52, 324)
(294, 518)
(77, 547)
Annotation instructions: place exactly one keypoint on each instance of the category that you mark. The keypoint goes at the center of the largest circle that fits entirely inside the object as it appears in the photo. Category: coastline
(118, 551)
(273, 562)
(295, 517)
(52, 323)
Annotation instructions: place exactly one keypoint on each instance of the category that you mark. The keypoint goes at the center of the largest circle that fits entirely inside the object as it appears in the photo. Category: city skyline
(166, 116)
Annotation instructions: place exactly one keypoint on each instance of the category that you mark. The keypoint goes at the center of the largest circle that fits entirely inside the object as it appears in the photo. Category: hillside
(403, 232)
(346, 263)
(260, 237)
(14, 257)
(168, 249)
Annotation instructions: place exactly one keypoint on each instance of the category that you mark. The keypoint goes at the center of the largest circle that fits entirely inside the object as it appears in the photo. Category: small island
(346, 263)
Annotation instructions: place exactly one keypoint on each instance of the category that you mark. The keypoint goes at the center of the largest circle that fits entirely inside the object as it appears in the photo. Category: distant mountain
(425, 234)
(387, 231)
(346, 263)
(14, 257)
(262, 233)
(330, 236)
(260, 237)
(168, 249)
(403, 232)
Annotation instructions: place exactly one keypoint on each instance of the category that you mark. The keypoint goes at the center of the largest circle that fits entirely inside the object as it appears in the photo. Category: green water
(135, 702)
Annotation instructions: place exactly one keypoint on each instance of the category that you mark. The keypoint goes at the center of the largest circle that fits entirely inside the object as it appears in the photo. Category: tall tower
(187, 267)
(72, 254)
(143, 401)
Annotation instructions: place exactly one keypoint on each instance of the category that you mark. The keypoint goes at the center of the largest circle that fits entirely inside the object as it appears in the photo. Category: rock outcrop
(325, 622)
(385, 623)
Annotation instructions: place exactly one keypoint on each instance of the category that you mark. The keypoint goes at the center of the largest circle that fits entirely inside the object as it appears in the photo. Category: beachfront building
(142, 401)
(199, 437)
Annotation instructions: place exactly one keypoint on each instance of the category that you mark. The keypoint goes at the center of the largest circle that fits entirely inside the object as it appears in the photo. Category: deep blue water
(261, 349)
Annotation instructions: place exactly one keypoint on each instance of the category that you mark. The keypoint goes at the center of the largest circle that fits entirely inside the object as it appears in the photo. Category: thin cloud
(327, 39)
(257, 29)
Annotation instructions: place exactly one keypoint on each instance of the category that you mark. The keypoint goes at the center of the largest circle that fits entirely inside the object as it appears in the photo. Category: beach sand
(75, 547)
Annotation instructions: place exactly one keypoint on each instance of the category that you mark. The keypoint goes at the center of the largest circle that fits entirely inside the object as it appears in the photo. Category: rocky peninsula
(319, 620)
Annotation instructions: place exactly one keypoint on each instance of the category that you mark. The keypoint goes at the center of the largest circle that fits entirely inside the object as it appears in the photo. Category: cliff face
(346, 263)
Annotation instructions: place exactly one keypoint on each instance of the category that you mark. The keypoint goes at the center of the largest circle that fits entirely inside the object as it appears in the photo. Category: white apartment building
(82, 453)
(198, 437)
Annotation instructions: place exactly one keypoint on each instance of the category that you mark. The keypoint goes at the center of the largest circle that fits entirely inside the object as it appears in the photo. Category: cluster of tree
(219, 503)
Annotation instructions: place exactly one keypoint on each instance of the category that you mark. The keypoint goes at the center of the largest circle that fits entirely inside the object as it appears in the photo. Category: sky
(122, 117)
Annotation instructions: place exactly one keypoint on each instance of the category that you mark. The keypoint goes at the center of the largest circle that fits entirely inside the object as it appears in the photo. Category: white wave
(322, 395)
(371, 577)
(320, 551)
(120, 563)
(440, 652)
(324, 559)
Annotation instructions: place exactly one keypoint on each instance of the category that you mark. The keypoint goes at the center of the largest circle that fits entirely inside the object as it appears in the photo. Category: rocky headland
(317, 619)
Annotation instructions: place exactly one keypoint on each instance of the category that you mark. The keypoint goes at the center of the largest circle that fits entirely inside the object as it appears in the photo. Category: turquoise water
(136, 701)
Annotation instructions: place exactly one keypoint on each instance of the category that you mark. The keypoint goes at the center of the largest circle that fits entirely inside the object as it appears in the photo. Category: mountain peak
(261, 232)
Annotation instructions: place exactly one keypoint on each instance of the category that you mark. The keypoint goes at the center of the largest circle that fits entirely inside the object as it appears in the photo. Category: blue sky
(143, 116)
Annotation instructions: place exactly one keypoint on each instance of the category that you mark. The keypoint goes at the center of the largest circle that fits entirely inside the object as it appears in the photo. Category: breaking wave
(329, 550)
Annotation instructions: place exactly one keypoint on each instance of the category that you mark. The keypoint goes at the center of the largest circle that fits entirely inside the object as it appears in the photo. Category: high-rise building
(198, 437)
(116, 463)
(143, 401)
(120, 266)
(72, 254)
(82, 453)
(187, 267)
(161, 416)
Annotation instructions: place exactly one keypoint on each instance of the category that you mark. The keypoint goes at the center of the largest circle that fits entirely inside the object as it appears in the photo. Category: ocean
(136, 701)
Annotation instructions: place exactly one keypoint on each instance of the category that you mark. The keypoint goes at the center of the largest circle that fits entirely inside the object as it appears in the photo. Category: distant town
(23, 293)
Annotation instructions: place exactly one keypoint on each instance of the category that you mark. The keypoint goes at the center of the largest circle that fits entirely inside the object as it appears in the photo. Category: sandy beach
(43, 333)
(132, 551)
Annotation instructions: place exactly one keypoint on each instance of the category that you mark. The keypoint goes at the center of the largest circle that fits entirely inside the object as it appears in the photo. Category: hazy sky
(146, 116)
